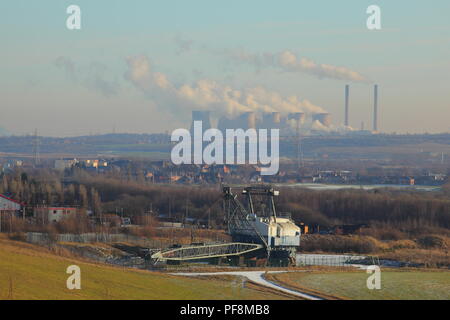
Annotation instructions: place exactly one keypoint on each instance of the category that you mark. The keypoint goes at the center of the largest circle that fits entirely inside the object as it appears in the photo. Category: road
(254, 276)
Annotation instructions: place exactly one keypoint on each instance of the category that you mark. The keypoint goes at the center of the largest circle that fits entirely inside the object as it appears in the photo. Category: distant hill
(158, 146)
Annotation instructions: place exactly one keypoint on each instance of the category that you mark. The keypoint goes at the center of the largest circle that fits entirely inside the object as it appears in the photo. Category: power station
(289, 124)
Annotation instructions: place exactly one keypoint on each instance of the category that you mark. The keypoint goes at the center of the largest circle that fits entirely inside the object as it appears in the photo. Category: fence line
(35, 237)
(330, 260)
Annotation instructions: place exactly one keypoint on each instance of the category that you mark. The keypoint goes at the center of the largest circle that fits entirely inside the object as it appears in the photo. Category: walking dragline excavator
(258, 222)
(257, 231)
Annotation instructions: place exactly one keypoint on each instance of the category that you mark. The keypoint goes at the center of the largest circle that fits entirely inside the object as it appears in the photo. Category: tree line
(388, 210)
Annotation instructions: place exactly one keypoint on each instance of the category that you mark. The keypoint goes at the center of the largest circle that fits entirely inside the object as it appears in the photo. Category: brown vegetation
(397, 220)
(338, 244)
(428, 251)
(392, 215)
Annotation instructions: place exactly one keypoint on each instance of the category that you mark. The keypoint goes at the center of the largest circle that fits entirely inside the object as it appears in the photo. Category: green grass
(395, 285)
(36, 273)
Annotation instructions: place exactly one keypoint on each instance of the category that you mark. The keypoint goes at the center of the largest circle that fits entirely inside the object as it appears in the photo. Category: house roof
(12, 200)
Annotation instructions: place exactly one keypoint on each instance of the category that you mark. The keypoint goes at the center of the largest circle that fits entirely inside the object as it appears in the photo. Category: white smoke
(288, 62)
(94, 76)
(319, 126)
(209, 95)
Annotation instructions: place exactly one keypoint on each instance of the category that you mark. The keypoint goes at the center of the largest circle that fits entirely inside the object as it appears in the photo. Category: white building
(9, 205)
(62, 164)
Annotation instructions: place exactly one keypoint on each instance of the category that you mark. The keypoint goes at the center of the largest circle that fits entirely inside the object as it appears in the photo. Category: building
(97, 163)
(53, 214)
(8, 205)
(61, 164)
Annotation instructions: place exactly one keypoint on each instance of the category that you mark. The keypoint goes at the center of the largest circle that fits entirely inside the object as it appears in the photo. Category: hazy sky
(136, 65)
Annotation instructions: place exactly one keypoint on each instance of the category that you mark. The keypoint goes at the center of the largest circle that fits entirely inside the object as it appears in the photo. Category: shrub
(17, 236)
(338, 244)
(432, 242)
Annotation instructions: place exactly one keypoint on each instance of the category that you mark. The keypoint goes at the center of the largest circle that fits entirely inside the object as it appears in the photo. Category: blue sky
(192, 40)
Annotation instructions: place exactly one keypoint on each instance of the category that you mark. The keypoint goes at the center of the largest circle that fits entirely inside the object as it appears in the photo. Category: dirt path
(254, 276)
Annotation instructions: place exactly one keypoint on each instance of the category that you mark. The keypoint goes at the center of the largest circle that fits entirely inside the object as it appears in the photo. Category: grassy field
(395, 285)
(32, 272)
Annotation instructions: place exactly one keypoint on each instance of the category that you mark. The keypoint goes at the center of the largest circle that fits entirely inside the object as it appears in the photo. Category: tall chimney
(347, 94)
(375, 108)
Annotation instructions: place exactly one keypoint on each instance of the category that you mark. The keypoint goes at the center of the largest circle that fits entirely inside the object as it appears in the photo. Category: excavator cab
(259, 223)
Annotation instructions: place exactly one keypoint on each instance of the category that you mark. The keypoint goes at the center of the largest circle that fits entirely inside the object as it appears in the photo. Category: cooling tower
(299, 118)
(246, 120)
(266, 120)
(249, 120)
(225, 123)
(271, 120)
(323, 118)
(203, 116)
(276, 118)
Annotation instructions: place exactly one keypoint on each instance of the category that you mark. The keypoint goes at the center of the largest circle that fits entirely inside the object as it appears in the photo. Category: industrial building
(204, 117)
(290, 124)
